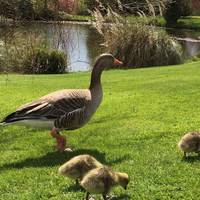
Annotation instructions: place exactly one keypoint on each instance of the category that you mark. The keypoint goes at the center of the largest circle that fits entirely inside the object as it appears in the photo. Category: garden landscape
(149, 57)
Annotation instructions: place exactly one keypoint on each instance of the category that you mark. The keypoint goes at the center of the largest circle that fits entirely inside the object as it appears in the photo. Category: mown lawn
(135, 130)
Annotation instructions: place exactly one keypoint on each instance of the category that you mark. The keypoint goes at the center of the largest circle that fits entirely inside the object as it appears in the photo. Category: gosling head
(107, 61)
(123, 179)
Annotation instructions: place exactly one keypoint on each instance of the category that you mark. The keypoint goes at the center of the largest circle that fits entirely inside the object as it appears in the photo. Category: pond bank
(190, 22)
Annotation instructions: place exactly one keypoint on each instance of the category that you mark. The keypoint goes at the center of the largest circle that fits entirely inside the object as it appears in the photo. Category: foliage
(82, 8)
(147, 7)
(9, 8)
(28, 53)
(44, 61)
(25, 9)
(144, 112)
(176, 9)
(136, 44)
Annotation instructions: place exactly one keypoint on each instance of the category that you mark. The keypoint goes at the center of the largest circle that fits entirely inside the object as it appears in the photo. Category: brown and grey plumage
(190, 142)
(101, 180)
(78, 166)
(66, 109)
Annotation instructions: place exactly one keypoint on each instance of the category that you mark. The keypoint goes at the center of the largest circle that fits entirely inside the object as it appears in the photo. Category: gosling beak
(117, 62)
(125, 187)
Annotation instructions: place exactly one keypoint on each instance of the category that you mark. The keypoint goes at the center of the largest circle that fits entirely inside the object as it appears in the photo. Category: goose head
(106, 61)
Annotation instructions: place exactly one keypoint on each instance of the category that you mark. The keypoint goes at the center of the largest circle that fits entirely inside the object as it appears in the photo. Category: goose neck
(96, 77)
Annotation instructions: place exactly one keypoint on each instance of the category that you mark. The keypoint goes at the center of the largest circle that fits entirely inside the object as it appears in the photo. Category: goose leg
(87, 196)
(77, 182)
(185, 155)
(61, 140)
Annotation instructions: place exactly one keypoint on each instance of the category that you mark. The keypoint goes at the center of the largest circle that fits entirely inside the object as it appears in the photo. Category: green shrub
(8, 8)
(44, 61)
(82, 8)
(29, 53)
(57, 62)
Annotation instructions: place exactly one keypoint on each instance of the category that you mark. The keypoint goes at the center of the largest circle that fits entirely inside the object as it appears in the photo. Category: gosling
(190, 142)
(78, 166)
(101, 180)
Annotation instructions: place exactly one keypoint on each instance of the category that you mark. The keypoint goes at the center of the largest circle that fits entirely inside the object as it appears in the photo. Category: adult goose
(65, 109)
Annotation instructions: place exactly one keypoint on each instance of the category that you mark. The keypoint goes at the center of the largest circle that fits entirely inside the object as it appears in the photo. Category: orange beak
(117, 62)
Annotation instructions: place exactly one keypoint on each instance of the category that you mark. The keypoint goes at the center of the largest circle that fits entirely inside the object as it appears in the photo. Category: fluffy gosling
(78, 166)
(190, 142)
(101, 180)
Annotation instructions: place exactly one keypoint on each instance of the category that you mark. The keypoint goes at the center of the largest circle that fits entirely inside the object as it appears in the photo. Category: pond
(83, 44)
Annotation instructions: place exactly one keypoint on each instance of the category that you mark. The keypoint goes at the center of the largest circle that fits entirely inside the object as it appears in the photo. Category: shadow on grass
(73, 188)
(191, 159)
(52, 159)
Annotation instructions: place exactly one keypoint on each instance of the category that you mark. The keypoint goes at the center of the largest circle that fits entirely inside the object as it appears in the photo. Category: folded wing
(50, 107)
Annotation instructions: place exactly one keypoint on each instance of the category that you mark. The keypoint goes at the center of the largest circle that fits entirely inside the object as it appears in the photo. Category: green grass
(78, 18)
(190, 22)
(135, 130)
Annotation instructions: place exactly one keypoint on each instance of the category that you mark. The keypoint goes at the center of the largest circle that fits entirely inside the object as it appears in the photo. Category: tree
(176, 9)
(8, 8)
(26, 10)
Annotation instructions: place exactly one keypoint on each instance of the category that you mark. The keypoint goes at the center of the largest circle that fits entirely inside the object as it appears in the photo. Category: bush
(176, 9)
(138, 45)
(82, 8)
(44, 61)
(26, 10)
(28, 53)
(8, 8)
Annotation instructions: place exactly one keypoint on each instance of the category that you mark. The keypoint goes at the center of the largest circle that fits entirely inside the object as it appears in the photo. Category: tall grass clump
(137, 45)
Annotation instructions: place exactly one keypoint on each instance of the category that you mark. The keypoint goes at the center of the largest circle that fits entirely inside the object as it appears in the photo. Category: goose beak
(117, 62)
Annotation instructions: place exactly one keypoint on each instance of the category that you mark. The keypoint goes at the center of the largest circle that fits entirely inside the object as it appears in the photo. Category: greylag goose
(78, 166)
(190, 142)
(65, 109)
(101, 180)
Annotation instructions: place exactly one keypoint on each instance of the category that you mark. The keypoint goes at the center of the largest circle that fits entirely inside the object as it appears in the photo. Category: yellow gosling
(190, 142)
(78, 166)
(101, 180)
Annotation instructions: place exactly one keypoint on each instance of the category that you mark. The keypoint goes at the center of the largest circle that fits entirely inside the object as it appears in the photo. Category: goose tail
(2, 123)
(9, 119)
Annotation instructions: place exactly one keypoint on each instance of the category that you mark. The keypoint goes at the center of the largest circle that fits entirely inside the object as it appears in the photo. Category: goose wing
(51, 106)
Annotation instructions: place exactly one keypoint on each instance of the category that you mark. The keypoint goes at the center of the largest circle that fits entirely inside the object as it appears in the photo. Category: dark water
(82, 43)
